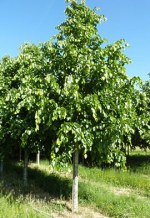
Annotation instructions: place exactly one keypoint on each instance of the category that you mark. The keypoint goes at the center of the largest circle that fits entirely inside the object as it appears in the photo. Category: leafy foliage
(72, 92)
(141, 137)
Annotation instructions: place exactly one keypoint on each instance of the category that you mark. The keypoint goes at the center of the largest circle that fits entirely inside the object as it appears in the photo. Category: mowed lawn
(102, 193)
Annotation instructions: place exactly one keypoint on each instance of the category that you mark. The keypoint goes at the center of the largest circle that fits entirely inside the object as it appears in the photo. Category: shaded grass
(111, 192)
(55, 185)
(139, 163)
(44, 195)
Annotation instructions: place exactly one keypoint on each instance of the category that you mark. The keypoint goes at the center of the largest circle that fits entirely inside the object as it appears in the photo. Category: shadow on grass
(40, 184)
(134, 162)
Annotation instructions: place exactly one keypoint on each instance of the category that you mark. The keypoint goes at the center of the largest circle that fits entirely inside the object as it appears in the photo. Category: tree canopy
(73, 87)
(72, 93)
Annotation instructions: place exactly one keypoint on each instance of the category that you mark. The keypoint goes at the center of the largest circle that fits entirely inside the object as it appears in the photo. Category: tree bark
(128, 150)
(25, 170)
(75, 181)
(1, 166)
(38, 157)
(20, 154)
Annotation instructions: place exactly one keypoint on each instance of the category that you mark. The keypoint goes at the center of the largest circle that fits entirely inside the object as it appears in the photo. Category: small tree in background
(146, 133)
(8, 139)
(141, 137)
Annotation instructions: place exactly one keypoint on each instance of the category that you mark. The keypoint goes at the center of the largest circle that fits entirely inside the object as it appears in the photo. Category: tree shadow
(40, 185)
(134, 162)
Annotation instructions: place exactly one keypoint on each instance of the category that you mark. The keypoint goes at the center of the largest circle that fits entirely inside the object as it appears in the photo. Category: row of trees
(71, 95)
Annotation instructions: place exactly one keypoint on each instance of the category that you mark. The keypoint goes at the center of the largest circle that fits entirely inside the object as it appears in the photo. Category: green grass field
(102, 193)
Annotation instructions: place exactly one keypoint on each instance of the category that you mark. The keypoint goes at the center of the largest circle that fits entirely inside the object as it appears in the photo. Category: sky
(36, 20)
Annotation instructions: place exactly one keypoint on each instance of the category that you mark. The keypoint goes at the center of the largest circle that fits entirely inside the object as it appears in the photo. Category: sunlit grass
(117, 194)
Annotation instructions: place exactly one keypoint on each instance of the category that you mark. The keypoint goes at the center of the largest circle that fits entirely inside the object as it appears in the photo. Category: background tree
(141, 138)
(8, 85)
(33, 100)
(146, 133)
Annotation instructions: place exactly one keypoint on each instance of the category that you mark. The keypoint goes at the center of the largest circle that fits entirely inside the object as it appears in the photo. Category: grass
(109, 192)
(16, 201)
(117, 194)
(139, 162)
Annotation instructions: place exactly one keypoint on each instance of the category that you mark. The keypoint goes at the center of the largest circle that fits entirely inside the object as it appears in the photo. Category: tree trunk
(20, 156)
(25, 170)
(38, 157)
(1, 166)
(75, 181)
(128, 150)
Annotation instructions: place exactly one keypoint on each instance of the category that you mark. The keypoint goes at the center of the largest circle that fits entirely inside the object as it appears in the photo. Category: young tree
(95, 102)
(75, 88)
(34, 100)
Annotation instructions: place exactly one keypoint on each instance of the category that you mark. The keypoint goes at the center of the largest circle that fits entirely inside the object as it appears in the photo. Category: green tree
(33, 100)
(8, 67)
(146, 132)
(73, 90)
(95, 108)
(140, 137)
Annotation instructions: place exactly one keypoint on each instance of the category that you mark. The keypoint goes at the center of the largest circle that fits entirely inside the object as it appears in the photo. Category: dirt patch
(122, 191)
(84, 212)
